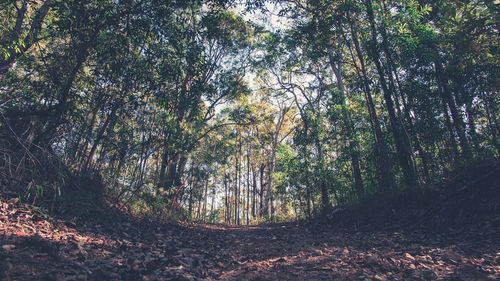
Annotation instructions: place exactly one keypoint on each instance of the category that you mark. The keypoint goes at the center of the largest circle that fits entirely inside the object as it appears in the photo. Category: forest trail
(36, 247)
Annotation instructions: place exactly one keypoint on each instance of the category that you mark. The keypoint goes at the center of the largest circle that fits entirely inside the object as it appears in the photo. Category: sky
(272, 22)
(270, 19)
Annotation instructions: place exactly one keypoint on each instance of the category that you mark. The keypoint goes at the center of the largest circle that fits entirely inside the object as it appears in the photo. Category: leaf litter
(37, 247)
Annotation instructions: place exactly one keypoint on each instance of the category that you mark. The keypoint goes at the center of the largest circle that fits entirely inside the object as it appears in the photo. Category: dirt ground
(37, 247)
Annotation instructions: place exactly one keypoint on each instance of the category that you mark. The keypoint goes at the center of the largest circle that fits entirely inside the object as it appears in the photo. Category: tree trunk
(325, 201)
(236, 184)
(248, 184)
(254, 192)
(402, 149)
(272, 160)
(30, 39)
(458, 122)
(452, 142)
(262, 188)
(212, 204)
(226, 199)
(100, 134)
(384, 166)
(493, 126)
(267, 193)
(205, 193)
(353, 145)
(190, 203)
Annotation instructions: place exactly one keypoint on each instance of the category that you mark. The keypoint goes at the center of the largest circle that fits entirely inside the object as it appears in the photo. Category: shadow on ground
(37, 248)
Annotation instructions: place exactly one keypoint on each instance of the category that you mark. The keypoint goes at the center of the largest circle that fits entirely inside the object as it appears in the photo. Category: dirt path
(34, 247)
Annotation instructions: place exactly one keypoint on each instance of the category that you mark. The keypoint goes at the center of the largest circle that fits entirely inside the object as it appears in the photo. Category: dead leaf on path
(319, 252)
(380, 277)
(410, 257)
(323, 268)
(8, 247)
(21, 234)
(90, 252)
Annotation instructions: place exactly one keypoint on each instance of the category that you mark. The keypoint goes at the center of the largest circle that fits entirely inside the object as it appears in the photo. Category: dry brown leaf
(8, 247)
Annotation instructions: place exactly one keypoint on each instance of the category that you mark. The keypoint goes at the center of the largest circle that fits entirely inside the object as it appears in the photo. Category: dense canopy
(243, 112)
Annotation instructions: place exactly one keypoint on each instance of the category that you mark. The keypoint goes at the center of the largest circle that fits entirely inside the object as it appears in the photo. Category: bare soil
(36, 247)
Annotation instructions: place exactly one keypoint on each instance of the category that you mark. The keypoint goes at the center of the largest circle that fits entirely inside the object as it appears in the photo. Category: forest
(235, 114)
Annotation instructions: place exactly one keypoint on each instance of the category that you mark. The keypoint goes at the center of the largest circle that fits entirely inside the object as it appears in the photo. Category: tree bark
(458, 122)
(100, 134)
(384, 166)
(353, 145)
(262, 188)
(402, 149)
(205, 193)
(31, 38)
(254, 191)
(248, 184)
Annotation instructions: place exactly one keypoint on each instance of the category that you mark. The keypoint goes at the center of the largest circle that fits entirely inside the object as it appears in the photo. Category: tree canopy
(206, 111)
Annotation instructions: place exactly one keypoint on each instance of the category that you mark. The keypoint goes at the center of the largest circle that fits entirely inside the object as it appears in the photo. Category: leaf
(8, 247)
(410, 257)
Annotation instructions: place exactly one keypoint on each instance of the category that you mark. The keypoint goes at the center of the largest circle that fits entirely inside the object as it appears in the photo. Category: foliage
(195, 110)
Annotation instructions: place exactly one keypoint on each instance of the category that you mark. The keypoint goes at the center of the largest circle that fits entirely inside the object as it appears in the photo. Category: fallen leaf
(8, 247)
(410, 257)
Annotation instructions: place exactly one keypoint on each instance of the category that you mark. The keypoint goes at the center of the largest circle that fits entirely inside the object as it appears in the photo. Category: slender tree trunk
(406, 109)
(308, 200)
(403, 151)
(236, 183)
(392, 76)
(453, 143)
(239, 181)
(190, 203)
(325, 200)
(248, 184)
(458, 122)
(353, 145)
(272, 160)
(205, 195)
(307, 187)
(199, 206)
(212, 204)
(262, 188)
(100, 134)
(384, 166)
(80, 156)
(226, 199)
(493, 126)
(174, 170)
(267, 192)
(15, 52)
(254, 191)
(469, 110)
